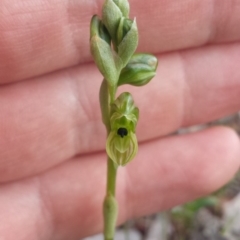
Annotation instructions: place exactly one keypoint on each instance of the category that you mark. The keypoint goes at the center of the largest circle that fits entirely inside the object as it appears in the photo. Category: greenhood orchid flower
(122, 143)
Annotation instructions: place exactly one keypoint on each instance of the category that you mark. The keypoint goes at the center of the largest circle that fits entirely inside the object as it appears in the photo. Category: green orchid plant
(113, 41)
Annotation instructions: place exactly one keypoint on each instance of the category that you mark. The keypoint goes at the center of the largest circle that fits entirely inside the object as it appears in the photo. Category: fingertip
(220, 159)
(177, 169)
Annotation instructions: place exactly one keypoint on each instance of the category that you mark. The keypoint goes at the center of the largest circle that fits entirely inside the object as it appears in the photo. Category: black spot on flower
(122, 132)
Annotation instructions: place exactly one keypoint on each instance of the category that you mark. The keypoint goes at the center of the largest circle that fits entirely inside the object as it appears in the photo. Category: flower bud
(123, 28)
(122, 143)
(97, 28)
(129, 42)
(139, 71)
(111, 16)
(107, 61)
(123, 6)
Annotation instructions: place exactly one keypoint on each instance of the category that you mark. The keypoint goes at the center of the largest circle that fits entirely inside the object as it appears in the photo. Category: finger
(37, 37)
(57, 117)
(66, 202)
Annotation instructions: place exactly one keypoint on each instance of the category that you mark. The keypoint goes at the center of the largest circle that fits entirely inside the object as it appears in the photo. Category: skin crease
(52, 160)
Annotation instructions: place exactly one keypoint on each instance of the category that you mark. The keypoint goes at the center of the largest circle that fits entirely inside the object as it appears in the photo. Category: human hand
(52, 160)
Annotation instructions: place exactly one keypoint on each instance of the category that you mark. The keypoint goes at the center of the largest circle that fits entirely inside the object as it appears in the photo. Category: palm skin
(52, 160)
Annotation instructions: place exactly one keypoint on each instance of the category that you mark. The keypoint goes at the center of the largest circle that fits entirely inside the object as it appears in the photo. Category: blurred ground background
(215, 217)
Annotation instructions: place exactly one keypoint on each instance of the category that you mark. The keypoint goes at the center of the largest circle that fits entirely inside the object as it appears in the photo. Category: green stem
(111, 177)
(110, 206)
